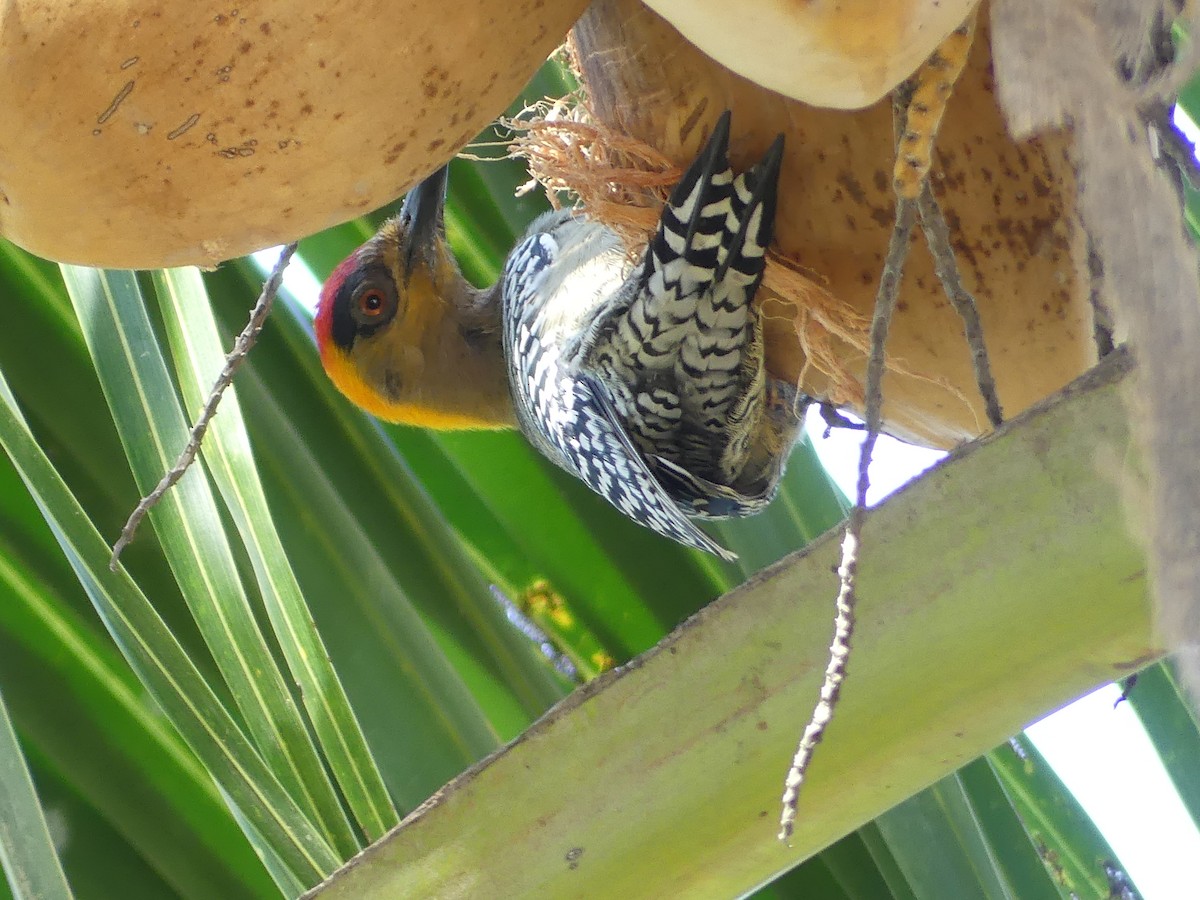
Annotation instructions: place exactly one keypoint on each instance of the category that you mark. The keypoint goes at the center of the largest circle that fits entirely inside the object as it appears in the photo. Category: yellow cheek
(423, 417)
(348, 377)
(343, 372)
(398, 369)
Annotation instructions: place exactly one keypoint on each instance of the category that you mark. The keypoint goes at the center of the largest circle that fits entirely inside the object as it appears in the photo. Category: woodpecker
(644, 379)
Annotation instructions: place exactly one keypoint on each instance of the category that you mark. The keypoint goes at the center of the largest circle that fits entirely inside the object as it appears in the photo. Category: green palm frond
(302, 645)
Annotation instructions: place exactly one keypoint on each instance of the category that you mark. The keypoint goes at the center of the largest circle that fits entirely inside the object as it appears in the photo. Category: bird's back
(647, 380)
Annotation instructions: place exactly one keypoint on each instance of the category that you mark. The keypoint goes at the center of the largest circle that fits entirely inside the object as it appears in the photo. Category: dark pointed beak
(422, 216)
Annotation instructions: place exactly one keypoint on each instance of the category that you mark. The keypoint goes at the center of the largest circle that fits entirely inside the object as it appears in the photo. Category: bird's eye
(370, 303)
(373, 307)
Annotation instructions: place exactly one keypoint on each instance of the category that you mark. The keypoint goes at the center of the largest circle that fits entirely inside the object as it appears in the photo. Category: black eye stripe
(347, 323)
(342, 328)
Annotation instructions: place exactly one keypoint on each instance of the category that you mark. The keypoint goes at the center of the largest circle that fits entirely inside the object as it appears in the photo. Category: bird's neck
(465, 376)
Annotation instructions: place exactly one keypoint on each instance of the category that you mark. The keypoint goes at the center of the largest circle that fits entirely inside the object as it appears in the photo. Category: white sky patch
(1106, 760)
(895, 463)
(1102, 754)
(1185, 124)
(298, 279)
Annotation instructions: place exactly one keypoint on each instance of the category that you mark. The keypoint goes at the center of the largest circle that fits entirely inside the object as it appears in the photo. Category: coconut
(650, 99)
(842, 55)
(140, 133)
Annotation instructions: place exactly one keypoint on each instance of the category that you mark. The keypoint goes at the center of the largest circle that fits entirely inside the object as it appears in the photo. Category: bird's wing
(609, 463)
(568, 414)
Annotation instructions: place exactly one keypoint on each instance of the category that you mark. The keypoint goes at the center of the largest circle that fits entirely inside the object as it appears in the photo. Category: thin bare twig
(917, 108)
(1102, 317)
(237, 355)
(839, 650)
(834, 419)
(937, 236)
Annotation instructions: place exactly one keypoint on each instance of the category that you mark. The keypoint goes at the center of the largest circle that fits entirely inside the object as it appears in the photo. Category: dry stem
(917, 109)
(937, 236)
(839, 650)
(237, 355)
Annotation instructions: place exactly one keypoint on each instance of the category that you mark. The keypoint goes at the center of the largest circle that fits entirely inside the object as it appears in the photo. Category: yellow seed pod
(932, 85)
(141, 133)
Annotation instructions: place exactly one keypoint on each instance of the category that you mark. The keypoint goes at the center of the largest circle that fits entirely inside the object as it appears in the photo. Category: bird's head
(402, 333)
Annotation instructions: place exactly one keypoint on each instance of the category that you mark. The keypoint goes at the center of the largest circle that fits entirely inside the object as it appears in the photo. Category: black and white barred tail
(649, 384)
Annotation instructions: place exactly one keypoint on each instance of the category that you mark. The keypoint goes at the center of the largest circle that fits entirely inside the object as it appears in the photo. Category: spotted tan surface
(142, 133)
(1010, 207)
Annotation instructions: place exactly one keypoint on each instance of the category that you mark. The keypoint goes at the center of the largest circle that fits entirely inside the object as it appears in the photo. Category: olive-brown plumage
(644, 380)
